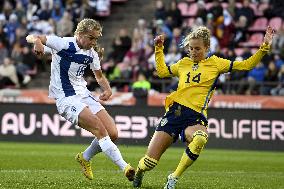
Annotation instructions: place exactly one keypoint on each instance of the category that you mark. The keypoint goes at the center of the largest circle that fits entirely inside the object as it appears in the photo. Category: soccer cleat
(137, 182)
(129, 172)
(85, 165)
(171, 182)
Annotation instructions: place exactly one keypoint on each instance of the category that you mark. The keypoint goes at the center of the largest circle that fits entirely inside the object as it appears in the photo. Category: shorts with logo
(71, 106)
(178, 118)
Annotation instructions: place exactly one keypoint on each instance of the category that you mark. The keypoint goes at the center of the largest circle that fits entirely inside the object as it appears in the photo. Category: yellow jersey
(197, 80)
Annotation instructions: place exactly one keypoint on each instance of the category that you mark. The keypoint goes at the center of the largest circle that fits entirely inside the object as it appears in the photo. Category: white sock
(111, 150)
(92, 150)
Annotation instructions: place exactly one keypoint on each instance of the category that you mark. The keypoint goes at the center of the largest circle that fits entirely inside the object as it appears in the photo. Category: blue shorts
(178, 118)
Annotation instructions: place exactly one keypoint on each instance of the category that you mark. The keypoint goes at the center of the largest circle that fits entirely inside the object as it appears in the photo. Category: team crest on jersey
(86, 60)
(195, 67)
(178, 111)
(73, 109)
(164, 122)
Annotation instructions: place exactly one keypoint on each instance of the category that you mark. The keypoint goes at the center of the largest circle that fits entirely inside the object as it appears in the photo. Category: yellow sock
(192, 152)
(184, 163)
(147, 163)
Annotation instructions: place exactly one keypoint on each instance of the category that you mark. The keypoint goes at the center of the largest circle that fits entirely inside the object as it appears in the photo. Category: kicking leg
(197, 137)
(109, 125)
(92, 150)
(158, 145)
(93, 123)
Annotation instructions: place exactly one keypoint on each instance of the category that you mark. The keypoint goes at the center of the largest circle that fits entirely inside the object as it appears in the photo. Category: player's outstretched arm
(104, 84)
(252, 61)
(39, 41)
(161, 67)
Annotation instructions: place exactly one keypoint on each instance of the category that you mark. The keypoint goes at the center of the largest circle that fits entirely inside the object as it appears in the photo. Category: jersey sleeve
(95, 65)
(174, 68)
(56, 43)
(253, 60)
(162, 69)
(223, 65)
(47, 50)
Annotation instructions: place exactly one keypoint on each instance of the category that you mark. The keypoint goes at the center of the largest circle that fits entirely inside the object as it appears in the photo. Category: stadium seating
(261, 8)
(192, 9)
(224, 5)
(259, 24)
(189, 9)
(208, 5)
(275, 23)
(255, 40)
(183, 6)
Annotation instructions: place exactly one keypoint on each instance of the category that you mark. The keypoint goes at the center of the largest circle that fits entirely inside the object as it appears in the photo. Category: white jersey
(68, 66)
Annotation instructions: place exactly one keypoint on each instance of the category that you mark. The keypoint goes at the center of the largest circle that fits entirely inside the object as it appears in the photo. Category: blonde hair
(200, 32)
(87, 25)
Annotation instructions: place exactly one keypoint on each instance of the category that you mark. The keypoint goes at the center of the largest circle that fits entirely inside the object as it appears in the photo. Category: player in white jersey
(70, 57)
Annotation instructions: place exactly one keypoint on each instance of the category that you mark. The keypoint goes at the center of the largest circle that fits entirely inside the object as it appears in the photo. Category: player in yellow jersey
(186, 108)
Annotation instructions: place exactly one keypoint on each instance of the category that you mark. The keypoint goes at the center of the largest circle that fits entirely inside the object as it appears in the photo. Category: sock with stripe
(191, 153)
(147, 163)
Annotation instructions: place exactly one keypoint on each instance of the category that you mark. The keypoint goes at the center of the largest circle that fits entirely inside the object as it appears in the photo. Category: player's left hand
(105, 95)
(269, 35)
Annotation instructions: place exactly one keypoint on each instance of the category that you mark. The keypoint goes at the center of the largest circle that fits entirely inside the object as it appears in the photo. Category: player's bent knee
(100, 132)
(113, 135)
(96, 128)
(147, 163)
(199, 140)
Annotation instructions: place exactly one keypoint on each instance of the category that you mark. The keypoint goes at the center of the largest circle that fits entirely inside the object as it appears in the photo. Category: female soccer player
(70, 57)
(186, 113)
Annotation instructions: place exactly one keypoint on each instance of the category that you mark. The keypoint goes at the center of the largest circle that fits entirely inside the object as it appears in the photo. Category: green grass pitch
(37, 165)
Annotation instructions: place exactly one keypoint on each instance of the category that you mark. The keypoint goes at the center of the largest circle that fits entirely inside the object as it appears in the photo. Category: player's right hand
(30, 39)
(38, 46)
(159, 40)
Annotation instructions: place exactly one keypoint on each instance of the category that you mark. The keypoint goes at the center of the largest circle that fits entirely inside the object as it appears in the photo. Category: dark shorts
(178, 118)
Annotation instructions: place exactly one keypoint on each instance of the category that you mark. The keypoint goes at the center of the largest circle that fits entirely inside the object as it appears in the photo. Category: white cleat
(171, 182)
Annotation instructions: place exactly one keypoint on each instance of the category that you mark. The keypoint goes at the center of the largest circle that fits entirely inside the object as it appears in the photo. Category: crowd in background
(132, 51)
(18, 64)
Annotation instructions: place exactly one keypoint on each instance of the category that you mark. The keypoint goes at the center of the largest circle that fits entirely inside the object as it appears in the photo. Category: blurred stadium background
(246, 114)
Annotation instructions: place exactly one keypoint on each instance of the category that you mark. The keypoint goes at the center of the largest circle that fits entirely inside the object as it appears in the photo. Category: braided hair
(200, 32)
